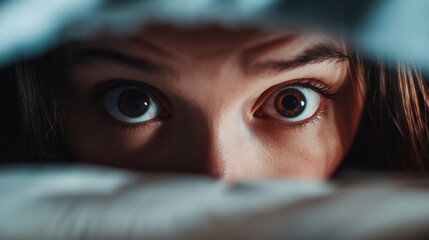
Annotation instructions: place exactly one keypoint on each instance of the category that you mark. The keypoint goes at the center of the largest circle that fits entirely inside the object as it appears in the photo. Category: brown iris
(290, 103)
(133, 103)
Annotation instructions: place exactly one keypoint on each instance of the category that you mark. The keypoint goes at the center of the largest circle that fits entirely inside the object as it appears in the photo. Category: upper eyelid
(314, 84)
(324, 89)
(102, 88)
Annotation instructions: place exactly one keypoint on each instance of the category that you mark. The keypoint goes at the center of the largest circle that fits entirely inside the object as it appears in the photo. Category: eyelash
(132, 128)
(313, 84)
(98, 92)
(316, 85)
(302, 126)
(326, 92)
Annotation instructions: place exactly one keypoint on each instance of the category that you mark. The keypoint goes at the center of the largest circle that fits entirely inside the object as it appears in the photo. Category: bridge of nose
(220, 142)
(213, 116)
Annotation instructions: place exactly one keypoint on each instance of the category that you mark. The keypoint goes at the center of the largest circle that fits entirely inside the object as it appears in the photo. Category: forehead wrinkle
(204, 41)
(88, 56)
(248, 55)
(142, 43)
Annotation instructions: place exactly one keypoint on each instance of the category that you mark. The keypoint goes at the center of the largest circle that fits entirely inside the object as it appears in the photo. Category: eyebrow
(87, 56)
(318, 53)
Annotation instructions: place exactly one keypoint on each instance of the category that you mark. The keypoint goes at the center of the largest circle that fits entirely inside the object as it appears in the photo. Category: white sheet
(97, 203)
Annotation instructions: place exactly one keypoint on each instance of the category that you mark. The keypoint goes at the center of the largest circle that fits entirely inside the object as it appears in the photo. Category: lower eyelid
(137, 128)
(320, 113)
(128, 128)
(318, 86)
(132, 128)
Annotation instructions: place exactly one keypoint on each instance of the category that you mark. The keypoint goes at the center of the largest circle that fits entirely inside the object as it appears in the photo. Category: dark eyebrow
(87, 56)
(318, 53)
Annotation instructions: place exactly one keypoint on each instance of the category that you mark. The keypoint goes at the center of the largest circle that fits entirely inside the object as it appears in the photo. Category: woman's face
(234, 104)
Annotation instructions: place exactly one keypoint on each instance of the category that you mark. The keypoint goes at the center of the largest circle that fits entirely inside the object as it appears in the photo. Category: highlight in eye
(293, 104)
(296, 103)
(128, 103)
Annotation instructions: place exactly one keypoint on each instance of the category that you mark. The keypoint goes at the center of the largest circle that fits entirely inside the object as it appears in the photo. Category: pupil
(133, 103)
(290, 103)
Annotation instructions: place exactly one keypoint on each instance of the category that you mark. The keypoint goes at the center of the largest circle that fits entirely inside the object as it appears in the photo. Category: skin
(214, 94)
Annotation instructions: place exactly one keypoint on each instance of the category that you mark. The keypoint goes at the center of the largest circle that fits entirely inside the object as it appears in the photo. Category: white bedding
(98, 203)
(394, 28)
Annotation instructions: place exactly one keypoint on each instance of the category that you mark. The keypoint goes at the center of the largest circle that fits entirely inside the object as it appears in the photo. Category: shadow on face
(229, 103)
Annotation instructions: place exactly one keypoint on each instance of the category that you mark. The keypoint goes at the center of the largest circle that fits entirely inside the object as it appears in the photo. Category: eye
(292, 104)
(131, 104)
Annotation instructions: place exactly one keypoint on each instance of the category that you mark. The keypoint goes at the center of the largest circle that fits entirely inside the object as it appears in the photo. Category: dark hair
(32, 121)
(393, 132)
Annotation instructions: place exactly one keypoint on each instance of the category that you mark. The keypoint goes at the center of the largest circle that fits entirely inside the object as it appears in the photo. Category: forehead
(203, 40)
(209, 40)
